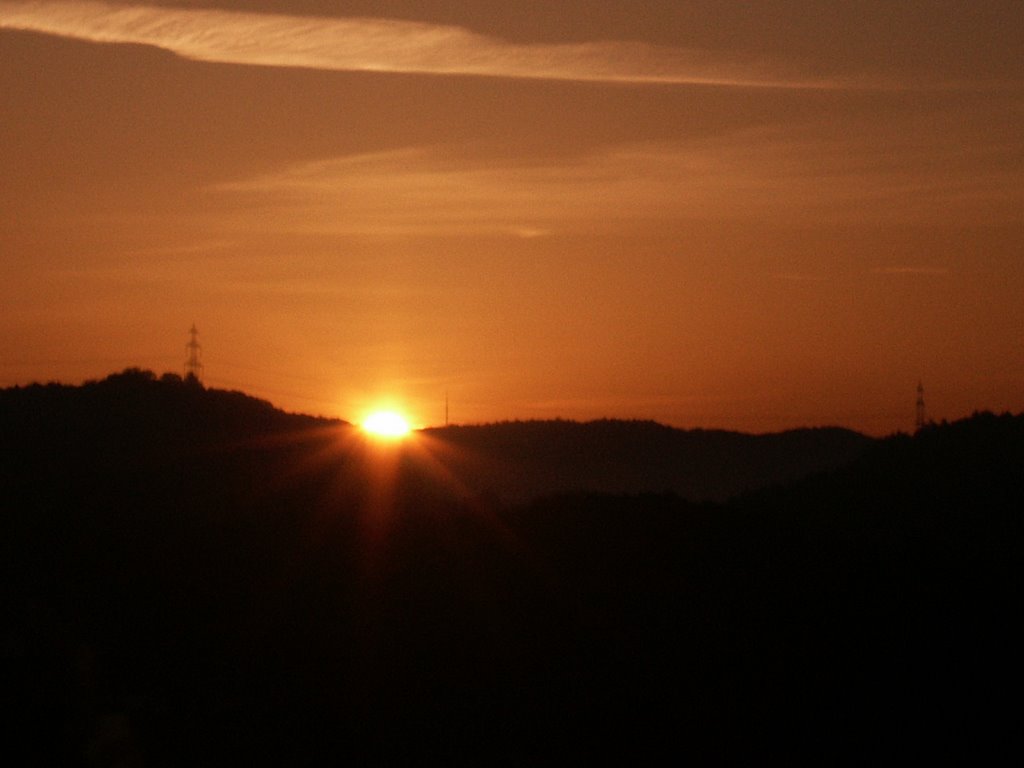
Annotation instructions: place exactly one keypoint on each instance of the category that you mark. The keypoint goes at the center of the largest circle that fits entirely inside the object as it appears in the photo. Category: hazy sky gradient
(752, 217)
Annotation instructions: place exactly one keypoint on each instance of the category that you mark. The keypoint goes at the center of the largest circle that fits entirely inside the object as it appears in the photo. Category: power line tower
(920, 419)
(193, 366)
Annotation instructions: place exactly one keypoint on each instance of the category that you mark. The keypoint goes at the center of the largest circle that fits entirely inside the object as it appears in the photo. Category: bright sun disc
(386, 424)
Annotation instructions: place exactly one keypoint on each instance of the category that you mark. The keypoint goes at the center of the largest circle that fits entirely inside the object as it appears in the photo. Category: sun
(386, 424)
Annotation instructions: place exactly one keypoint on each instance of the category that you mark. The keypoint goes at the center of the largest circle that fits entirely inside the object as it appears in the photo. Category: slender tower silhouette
(193, 367)
(920, 418)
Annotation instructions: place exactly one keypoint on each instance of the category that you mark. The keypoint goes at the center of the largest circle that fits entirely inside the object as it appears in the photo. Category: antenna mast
(193, 367)
(920, 419)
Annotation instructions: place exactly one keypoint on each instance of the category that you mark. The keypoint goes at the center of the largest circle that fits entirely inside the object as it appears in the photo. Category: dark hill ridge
(510, 462)
(518, 460)
(208, 581)
(137, 401)
(865, 615)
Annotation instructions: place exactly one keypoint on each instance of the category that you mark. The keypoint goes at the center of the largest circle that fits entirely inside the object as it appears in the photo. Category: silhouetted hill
(134, 414)
(191, 577)
(860, 615)
(517, 461)
(135, 403)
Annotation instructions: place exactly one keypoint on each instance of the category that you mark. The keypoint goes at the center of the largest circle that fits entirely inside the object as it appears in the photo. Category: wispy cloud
(385, 45)
(768, 175)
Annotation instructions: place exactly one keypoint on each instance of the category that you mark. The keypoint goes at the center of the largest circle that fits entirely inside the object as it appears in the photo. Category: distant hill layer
(521, 460)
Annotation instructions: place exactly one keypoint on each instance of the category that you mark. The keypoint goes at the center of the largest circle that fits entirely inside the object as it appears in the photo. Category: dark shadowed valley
(192, 577)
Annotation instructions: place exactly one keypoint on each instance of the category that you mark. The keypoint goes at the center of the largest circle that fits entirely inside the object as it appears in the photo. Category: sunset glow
(718, 215)
(386, 424)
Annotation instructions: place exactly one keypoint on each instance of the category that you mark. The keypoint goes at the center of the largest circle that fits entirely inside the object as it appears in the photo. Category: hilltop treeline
(192, 577)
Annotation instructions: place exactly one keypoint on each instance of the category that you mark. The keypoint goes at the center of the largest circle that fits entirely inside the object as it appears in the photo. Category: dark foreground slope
(273, 590)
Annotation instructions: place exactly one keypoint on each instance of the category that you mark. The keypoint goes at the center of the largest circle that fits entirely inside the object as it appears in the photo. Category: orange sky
(752, 216)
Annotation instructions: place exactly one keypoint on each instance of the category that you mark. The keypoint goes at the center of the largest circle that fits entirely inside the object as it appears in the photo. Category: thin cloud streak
(385, 45)
(769, 175)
